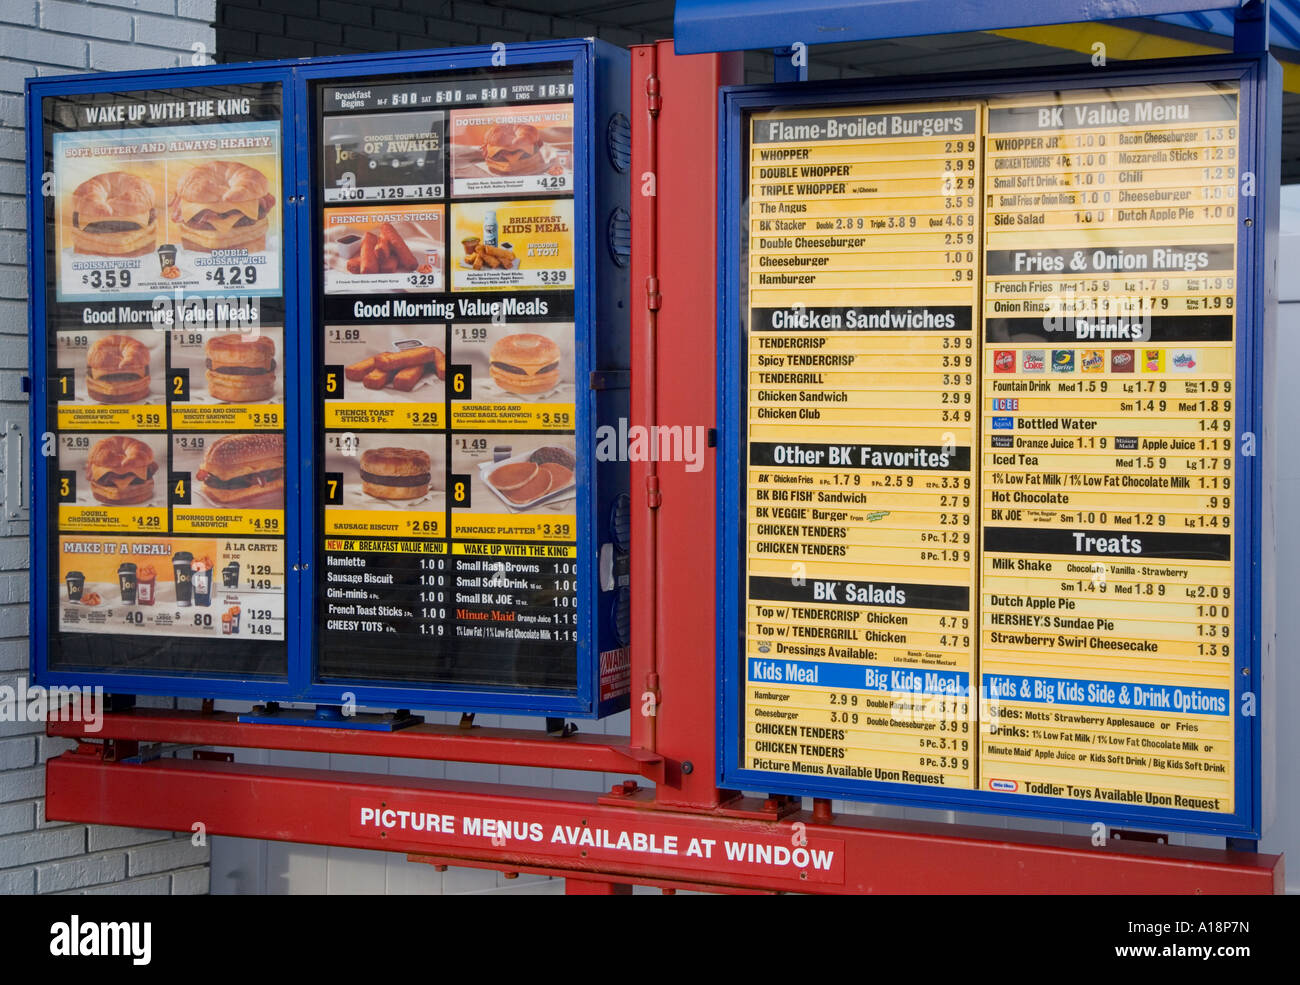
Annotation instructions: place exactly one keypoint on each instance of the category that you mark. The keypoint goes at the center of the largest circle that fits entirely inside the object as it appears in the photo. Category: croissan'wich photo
(525, 363)
(114, 214)
(244, 471)
(512, 149)
(121, 471)
(395, 473)
(117, 370)
(240, 367)
(222, 205)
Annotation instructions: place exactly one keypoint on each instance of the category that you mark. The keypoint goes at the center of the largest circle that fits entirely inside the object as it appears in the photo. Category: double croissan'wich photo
(244, 471)
(512, 149)
(240, 367)
(222, 205)
(114, 214)
(117, 370)
(121, 471)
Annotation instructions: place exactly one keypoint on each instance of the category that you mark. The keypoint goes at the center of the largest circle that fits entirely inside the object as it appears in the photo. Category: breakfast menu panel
(989, 453)
(448, 379)
(165, 379)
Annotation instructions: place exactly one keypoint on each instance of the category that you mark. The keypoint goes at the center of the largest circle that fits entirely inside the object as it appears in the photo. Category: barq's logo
(100, 939)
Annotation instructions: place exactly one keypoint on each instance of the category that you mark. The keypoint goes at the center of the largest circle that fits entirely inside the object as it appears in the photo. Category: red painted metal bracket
(510, 747)
(575, 834)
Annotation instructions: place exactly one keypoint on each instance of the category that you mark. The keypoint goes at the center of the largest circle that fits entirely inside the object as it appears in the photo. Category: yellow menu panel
(863, 404)
(990, 453)
(1107, 457)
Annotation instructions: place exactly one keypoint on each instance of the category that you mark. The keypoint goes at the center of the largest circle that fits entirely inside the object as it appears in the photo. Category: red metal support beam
(674, 323)
(510, 747)
(583, 836)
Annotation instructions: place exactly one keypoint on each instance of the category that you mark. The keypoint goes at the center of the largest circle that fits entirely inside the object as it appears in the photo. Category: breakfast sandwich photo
(515, 149)
(190, 208)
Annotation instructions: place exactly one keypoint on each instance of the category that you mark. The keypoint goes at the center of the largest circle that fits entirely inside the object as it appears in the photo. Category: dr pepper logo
(1004, 361)
(1121, 360)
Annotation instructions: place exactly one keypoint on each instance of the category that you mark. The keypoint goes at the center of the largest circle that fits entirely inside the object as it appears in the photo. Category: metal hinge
(653, 498)
(653, 101)
(653, 299)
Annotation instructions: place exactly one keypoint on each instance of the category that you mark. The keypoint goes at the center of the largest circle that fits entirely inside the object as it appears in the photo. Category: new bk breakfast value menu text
(989, 448)
(165, 367)
(447, 379)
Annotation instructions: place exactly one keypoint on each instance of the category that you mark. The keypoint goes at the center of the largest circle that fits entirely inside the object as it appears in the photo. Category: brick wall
(59, 37)
(248, 30)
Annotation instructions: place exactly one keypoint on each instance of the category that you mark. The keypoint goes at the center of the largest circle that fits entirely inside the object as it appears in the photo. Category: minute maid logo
(1182, 360)
(1092, 361)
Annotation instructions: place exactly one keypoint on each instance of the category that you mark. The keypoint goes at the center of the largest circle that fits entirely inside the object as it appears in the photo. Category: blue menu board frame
(1259, 81)
(601, 95)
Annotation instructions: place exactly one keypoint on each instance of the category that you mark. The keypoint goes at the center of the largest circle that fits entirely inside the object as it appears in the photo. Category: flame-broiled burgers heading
(244, 470)
(114, 214)
(117, 370)
(525, 363)
(395, 473)
(121, 471)
(222, 205)
(240, 367)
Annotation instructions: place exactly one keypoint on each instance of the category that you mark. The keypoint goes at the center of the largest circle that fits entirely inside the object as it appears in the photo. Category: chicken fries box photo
(384, 157)
(110, 380)
(391, 484)
(383, 249)
(227, 378)
(172, 586)
(112, 481)
(144, 212)
(520, 377)
(383, 376)
(509, 245)
(512, 149)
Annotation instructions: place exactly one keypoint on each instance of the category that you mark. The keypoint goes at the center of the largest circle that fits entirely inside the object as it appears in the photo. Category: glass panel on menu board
(165, 347)
(859, 636)
(1049, 278)
(448, 378)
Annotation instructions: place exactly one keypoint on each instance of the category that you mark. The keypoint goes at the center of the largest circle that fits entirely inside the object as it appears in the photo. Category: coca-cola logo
(1004, 361)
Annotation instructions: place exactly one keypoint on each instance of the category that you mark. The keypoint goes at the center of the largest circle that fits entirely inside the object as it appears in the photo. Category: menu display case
(322, 350)
(993, 473)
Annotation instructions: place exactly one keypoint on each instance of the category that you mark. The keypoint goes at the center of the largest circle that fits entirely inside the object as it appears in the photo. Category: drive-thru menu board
(988, 449)
(447, 373)
(165, 379)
